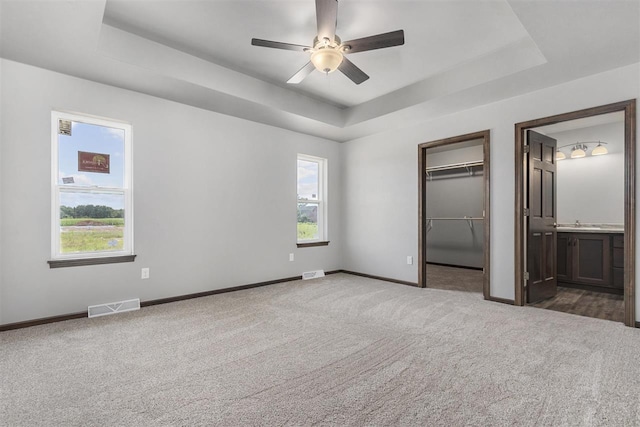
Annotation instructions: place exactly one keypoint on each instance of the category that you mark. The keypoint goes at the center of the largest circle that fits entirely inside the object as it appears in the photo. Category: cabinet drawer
(618, 241)
(618, 278)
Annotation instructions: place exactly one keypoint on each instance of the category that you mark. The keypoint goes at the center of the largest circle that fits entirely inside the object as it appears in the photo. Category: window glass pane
(307, 180)
(92, 155)
(91, 222)
(308, 221)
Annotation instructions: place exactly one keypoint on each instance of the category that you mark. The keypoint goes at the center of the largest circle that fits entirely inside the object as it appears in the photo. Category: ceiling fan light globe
(326, 60)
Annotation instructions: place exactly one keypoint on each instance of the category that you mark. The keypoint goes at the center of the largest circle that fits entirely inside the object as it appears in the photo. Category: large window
(91, 188)
(312, 199)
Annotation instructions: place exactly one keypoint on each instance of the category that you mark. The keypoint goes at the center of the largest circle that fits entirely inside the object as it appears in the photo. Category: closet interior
(454, 216)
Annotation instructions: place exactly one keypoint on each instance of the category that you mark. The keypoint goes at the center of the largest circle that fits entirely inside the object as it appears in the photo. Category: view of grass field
(307, 230)
(91, 234)
(107, 234)
(66, 222)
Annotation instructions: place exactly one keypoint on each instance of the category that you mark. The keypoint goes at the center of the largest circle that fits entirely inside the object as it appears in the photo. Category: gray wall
(214, 197)
(455, 193)
(379, 242)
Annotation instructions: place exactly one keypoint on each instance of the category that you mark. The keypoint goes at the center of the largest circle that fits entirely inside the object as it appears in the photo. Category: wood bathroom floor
(586, 303)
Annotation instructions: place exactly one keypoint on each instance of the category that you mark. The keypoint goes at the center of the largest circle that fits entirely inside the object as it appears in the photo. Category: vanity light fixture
(579, 150)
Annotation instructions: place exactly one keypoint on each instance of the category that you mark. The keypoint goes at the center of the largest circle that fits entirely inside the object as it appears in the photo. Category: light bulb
(560, 155)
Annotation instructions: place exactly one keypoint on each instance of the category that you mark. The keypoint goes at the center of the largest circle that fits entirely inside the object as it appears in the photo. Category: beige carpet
(342, 350)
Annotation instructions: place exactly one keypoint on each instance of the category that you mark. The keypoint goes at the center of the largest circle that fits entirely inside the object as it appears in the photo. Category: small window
(91, 188)
(312, 199)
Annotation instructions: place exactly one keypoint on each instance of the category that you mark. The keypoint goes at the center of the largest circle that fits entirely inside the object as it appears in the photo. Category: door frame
(422, 229)
(629, 109)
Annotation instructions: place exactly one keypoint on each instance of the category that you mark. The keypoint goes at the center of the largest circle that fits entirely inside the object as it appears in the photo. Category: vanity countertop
(590, 228)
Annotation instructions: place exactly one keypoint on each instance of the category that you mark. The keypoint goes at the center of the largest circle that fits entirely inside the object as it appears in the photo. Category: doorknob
(555, 225)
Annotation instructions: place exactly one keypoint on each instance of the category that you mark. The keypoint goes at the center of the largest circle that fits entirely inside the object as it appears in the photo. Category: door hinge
(525, 276)
(526, 149)
(526, 212)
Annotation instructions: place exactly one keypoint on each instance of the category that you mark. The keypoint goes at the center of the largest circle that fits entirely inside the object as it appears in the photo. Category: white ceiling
(199, 53)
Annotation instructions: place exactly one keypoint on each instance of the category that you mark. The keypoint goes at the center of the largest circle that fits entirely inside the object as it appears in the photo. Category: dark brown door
(541, 229)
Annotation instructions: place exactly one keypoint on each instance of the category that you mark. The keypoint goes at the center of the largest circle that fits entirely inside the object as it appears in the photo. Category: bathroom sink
(590, 229)
(579, 228)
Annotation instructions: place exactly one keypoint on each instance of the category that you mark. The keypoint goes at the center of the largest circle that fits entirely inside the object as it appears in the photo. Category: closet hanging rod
(455, 166)
(455, 219)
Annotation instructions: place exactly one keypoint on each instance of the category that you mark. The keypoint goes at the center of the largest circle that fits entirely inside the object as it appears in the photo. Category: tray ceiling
(199, 53)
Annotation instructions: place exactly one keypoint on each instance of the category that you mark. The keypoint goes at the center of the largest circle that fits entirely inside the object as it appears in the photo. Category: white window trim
(322, 201)
(56, 188)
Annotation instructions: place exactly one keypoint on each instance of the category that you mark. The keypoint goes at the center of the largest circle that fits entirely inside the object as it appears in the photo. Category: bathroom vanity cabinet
(591, 260)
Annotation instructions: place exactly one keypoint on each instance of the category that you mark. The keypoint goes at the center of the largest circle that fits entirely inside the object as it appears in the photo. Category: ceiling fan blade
(327, 17)
(349, 69)
(302, 73)
(379, 41)
(279, 45)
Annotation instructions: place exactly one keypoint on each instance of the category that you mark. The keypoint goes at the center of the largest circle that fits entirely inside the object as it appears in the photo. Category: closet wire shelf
(464, 165)
(469, 220)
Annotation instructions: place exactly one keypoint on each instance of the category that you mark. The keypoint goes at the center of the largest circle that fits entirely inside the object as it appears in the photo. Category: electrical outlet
(409, 260)
(145, 273)
(291, 257)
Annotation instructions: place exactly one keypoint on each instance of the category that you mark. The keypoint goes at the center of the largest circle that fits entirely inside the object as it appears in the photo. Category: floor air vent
(114, 307)
(312, 274)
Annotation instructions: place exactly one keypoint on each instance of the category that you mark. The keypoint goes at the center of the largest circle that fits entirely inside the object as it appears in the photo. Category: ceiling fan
(327, 51)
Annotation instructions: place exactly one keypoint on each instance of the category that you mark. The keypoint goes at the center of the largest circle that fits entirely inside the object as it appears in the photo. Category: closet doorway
(453, 212)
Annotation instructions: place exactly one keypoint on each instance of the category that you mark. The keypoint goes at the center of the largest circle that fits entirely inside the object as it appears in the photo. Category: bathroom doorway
(454, 217)
(575, 212)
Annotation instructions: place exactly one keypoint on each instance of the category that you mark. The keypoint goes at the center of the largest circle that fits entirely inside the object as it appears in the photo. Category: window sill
(312, 244)
(58, 263)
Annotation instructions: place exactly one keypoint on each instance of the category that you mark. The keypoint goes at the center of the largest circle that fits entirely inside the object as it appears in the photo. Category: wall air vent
(114, 307)
(312, 274)
(64, 127)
